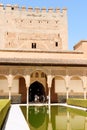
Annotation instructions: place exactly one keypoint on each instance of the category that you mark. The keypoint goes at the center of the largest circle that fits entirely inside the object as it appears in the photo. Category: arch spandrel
(46, 71)
(59, 77)
(37, 76)
(18, 76)
(75, 77)
(3, 76)
(18, 71)
(4, 71)
(75, 72)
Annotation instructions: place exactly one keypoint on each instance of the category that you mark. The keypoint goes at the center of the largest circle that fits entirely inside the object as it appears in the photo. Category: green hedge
(77, 102)
(4, 107)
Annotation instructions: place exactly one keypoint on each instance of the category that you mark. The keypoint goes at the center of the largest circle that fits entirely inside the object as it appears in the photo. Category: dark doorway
(37, 92)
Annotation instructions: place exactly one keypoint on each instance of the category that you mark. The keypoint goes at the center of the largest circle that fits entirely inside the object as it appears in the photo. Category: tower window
(56, 44)
(33, 45)
(36, 75)
(42, 75)
(12, 8)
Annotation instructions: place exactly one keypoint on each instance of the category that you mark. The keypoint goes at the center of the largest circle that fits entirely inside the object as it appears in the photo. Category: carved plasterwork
(58, 72)
(18, 71)
(75, 72)
(4, 71)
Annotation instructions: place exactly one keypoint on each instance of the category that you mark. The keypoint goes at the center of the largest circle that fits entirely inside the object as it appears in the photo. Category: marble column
(67, 92)
(9, 93)
(84, 85)
(49, 81)
(68, 121)
(10, 80)
(27, 81)
(67, 86)
(85, 124)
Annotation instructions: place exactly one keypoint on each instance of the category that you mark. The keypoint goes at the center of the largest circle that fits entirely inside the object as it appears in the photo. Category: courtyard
(42, 116)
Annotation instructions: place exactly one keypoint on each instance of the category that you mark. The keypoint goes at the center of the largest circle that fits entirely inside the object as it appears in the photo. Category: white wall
(76, 86)
(60, 85)
(4, 86)
(15, 86)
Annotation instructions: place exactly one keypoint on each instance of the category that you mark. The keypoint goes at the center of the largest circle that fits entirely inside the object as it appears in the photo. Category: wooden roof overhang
(41, 62)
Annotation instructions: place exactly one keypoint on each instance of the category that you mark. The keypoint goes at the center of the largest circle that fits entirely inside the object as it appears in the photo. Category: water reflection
(55, 118)
(37, 116)
(49, 121)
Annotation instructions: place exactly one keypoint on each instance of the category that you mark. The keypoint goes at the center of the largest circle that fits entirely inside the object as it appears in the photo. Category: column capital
(49, 80)
(27, 80)
(67, 81)
(84, 80)
(10, 80)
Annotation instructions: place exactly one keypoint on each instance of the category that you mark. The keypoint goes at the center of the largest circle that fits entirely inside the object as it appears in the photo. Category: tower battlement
(33, 28)
(10, 7)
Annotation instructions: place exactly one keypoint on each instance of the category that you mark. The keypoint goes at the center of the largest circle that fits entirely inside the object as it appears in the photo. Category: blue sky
(77, 15)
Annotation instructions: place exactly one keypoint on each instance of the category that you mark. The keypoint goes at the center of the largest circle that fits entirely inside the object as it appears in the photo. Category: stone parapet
(30, 9)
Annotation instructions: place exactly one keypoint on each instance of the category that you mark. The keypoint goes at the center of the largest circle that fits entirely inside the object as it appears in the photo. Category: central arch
(37, 92)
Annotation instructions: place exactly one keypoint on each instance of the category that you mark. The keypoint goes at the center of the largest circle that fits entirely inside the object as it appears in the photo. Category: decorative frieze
(58, 72)
(4, 71)
(75, 72)
(18, 71)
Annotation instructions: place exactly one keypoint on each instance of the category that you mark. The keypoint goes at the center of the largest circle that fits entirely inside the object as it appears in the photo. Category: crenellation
(64, 11)
(50, 10)
(43, 10)
(8, 7)
(15, 7)
(30, 9)
(57, 10)
(1, 6)
(23, 8)
(37, 10)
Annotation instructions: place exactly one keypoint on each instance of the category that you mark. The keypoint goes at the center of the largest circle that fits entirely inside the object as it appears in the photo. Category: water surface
(54, 118)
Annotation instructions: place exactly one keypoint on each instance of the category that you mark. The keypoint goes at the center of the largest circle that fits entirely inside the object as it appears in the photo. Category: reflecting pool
(54, 118)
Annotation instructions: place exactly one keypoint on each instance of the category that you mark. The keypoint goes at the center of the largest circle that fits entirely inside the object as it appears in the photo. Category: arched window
(42, 75)
(36, 75)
